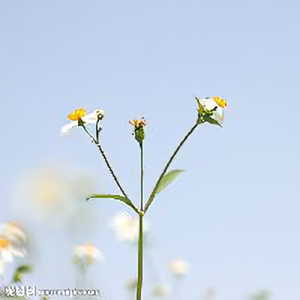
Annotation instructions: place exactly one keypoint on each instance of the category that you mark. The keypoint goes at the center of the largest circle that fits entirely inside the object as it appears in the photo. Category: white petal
(13, 233)
(92, 118)
(98, 255)
(7, 256)
(219, 115)
(87, 253)
(79, 251)
(66, 129)
(18, 253)
(208, 103)
(1, 266)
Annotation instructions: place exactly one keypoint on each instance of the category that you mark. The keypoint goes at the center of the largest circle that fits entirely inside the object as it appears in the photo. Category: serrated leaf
(116, 197)
(167, 179)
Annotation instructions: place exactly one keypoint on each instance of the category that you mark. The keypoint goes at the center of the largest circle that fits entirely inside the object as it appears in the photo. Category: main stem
(167, 167)
(140, 259)
(140, 242)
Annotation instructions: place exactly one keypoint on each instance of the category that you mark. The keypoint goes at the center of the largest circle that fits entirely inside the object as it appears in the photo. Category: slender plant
(210, 110)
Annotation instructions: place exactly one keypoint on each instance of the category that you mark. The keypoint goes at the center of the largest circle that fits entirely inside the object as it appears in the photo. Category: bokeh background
(234, 214)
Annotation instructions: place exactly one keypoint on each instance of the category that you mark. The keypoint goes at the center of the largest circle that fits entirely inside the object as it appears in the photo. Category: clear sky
(234, 214)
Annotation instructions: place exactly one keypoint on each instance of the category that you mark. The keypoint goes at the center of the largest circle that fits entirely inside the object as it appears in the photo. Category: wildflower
(126, 227)
(87, 254)
(13, 232)
(211, 110)
(79, 118)
(160, 290)
(53, 193)
(131, 284)
(138, 129)
(11, 244)
(178, 267)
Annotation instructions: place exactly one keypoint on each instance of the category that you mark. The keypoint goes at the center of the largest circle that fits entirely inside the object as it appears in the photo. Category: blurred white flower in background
(13, 232)
(178, 267)
(12, 243)
(161, 290)
(86, 254)
(131, 284)
(210, 294)
(55, 196)
(126, 227)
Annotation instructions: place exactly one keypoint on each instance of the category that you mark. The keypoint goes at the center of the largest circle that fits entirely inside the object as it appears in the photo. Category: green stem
(142, 176)
(98, 129)
(106, 161)
(111, 170)
(140, 242)
(140, 258)
(151, 198)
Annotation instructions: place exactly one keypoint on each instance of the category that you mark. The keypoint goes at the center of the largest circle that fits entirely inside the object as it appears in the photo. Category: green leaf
(24, 269)
(17, 277)
(116, 197)
(167, 179)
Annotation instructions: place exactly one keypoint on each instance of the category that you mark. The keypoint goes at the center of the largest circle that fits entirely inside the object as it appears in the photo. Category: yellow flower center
(221, 102)
(4, 243)
(77, 114)
(138, 123)
(90, 251)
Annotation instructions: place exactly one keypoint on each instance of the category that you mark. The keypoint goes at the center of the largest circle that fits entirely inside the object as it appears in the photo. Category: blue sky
(234, 214)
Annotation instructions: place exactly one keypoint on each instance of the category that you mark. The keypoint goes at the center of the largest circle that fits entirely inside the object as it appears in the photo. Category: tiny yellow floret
(77, 114)
(138, 123)
(4, 243)
(221, 102)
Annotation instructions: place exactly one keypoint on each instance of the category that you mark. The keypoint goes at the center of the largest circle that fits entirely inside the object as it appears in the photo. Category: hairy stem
(151, 198)
(111, 170)
(96, 142)
(142, 176)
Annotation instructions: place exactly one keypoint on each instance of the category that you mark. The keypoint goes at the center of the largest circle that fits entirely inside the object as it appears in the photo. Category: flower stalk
(152, 196)
(96, 142)
(140, 258)
(139, 135)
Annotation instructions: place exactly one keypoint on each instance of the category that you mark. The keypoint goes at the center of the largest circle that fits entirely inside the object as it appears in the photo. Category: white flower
(160, 290)
(214, 105)
(131, 284)
(53, 194)
(178, 267)
(11, 244)
(87, 254)
(79, 115)
(12, 232)
(126, 227)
